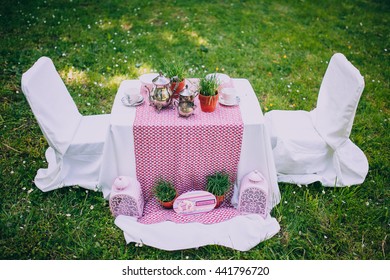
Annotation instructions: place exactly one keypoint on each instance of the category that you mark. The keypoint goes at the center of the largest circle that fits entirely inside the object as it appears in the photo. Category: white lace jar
(126, 197)
(253, 197)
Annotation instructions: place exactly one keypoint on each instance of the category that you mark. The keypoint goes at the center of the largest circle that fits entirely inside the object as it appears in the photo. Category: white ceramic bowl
(146, 79)
(223, 78)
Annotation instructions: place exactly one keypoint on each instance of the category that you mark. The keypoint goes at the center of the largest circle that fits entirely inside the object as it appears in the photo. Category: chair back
(338, 99)
(51, 103)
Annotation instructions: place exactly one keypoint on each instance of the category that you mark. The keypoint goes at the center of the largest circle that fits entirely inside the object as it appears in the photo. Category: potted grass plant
(165, 193)
(208, 93)
(177, 73)
(218, 184)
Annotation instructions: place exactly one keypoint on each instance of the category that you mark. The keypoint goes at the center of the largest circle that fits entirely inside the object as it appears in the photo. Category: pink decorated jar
(253, 197)
(126, 197)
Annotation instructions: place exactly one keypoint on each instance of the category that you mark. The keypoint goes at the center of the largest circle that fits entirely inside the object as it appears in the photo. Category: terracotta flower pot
(208, 103)
(168, 204)
(177, 88)
(220, 199)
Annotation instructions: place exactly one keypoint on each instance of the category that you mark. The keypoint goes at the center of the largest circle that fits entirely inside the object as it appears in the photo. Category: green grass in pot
(209, 86)
(218, 183)
(164, 191)
(175, 70)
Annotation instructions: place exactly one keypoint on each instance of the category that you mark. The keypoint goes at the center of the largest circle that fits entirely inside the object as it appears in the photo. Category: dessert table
(147, 145)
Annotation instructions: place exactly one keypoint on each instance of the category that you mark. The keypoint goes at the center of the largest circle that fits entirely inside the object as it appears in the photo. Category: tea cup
(132, 95)
(228, 95)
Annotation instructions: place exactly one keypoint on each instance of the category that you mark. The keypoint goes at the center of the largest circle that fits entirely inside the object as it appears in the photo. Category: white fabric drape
(240, 233)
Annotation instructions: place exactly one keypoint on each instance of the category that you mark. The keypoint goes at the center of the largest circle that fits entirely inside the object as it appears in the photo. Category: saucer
(126, 102)
(235, 102)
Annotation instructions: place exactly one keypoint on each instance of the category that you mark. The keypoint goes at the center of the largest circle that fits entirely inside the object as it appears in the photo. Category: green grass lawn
(281, 47)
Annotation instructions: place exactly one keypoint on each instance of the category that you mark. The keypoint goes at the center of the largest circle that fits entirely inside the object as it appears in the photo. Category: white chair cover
(76, 141)
(315, 146)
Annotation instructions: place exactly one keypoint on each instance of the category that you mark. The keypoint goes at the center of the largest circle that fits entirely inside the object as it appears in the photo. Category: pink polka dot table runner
(184, 151)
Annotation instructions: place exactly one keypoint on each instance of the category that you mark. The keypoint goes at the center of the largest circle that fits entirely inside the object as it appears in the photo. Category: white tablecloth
(242, 232)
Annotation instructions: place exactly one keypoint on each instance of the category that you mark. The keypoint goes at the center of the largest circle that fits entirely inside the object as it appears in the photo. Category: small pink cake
(194, 202)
